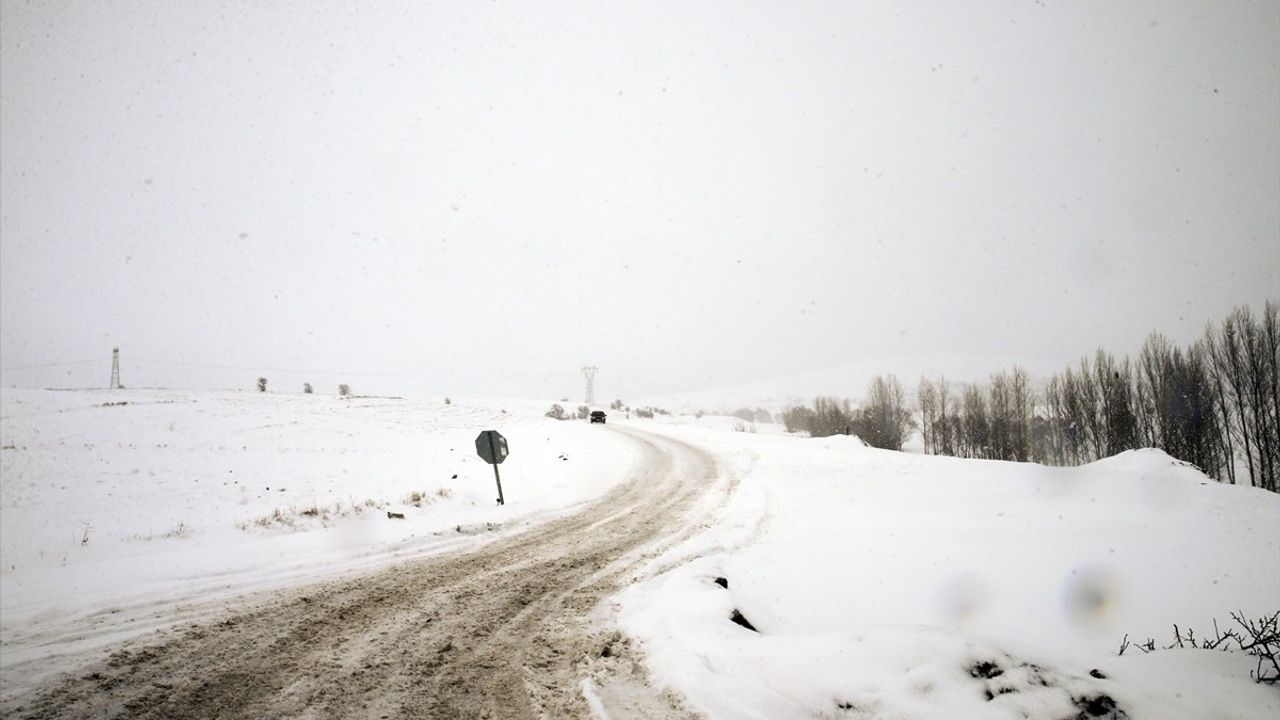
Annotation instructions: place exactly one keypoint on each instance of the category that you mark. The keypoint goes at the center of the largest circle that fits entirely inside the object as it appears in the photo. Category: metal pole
(493, 453)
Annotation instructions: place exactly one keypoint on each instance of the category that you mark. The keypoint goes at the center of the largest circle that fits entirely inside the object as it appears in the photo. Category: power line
(301, 371)
(312, 371)
(52, 365)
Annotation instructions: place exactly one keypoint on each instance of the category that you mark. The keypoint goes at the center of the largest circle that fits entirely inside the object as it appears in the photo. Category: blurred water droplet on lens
(1091, 596)
(962, 598)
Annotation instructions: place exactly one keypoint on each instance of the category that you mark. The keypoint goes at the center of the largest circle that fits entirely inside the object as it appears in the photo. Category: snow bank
(126, 502)
(888, 585)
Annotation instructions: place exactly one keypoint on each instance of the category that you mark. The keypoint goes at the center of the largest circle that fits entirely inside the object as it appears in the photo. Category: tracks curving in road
(503, 631)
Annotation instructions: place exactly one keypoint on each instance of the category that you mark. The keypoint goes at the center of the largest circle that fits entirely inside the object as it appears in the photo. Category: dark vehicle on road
(597, 416)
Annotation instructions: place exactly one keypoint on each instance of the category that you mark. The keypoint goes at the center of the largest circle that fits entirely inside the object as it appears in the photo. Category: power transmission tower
(115, 368)
(590, 372)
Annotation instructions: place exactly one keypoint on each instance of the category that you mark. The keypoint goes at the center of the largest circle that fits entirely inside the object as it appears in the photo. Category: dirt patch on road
(499, 632)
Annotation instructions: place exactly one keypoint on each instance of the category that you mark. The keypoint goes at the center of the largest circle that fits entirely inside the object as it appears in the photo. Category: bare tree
(1091, 410)
(1179, 404)
(831, 416)
(1114, 382)
(886, 420)
(1000, 417)
(1261, 368)
(1153, 362)
(1222, 407)
(1076, 421)
(1231, 364)
(1270, 380)
(975, 426)
(1055, 420)
(944, 433)
(1250, 350)
(1244, 361)
(1022, 403)
(928, 398)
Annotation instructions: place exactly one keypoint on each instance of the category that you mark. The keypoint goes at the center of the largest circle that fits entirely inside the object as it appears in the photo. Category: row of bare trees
(884, 420)
(1215, 404)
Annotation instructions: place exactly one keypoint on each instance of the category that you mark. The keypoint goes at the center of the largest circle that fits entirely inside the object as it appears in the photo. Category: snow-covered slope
(892, 585)
(116, 505)
(881, 584)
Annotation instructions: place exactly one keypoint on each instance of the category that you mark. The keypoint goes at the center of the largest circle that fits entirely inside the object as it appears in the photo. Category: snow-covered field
(119, 506)
(881, 582)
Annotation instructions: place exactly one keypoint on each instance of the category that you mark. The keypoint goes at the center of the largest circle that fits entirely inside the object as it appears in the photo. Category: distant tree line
(759, 415)
(1214, 403)
(557, 411)
(884, 420)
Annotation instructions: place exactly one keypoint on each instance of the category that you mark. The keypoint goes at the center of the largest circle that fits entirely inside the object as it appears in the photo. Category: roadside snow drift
(879, 584)
(119, 506)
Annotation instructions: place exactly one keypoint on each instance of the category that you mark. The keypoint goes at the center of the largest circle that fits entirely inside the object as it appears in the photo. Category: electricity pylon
(590, 373)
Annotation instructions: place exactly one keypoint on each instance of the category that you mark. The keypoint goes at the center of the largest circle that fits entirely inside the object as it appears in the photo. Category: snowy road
(505, 631)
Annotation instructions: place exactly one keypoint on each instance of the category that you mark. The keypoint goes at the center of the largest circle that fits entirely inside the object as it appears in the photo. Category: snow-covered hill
(895, 585)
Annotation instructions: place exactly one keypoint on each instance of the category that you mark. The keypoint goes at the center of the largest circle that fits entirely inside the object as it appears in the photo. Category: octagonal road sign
(491, 447)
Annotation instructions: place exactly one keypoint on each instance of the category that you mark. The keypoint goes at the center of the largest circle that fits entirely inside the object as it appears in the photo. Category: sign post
(492, 448)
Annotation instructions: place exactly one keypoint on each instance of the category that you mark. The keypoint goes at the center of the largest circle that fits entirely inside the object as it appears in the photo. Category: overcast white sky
(683, 194)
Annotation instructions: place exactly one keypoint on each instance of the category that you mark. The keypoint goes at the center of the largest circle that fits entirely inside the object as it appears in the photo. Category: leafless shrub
(180, 530)
(1259, 638)
(1263, 642)
(418, 498)
(288, 517)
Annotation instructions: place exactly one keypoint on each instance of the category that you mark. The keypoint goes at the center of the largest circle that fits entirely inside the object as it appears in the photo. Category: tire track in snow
(502, 631)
